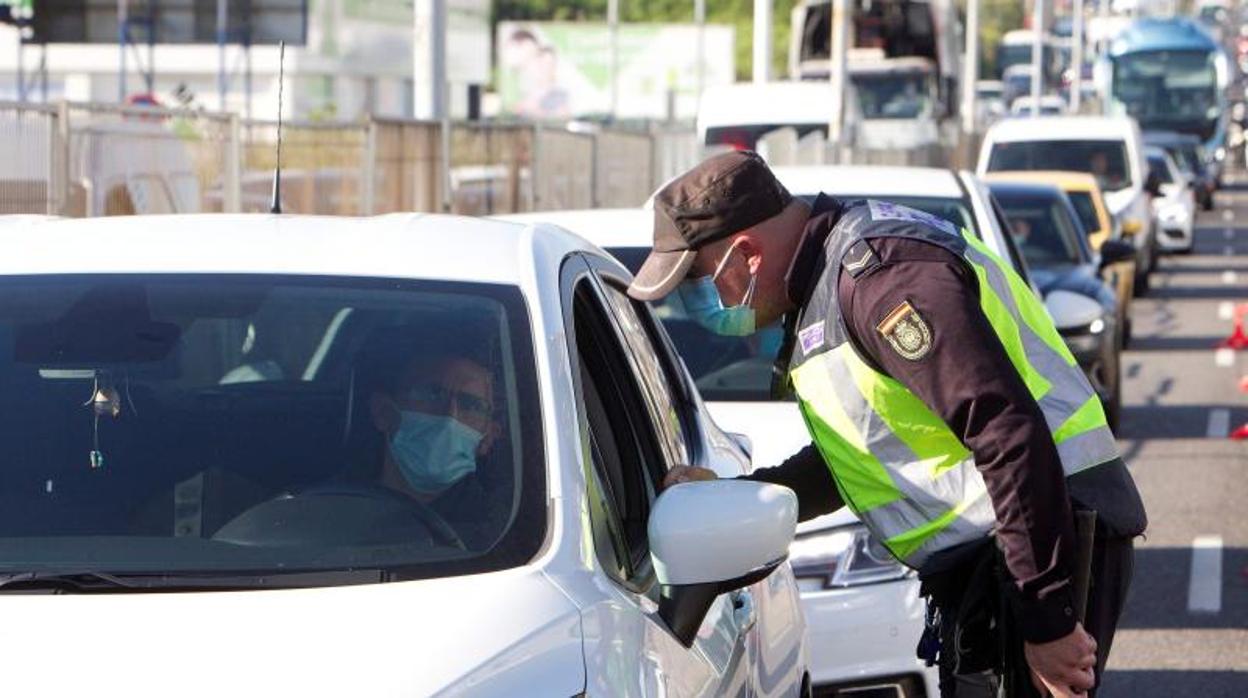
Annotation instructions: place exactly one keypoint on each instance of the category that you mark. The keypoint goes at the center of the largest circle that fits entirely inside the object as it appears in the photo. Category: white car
(863, 610)
(276, 407)
(1175, 208)
(1111, 148)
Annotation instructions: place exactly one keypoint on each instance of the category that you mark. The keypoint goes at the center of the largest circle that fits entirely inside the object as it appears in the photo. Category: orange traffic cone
(1238, 338)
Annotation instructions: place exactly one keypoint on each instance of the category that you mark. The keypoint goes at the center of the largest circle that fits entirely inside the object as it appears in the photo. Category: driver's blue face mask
(434, 452)
(703, 304)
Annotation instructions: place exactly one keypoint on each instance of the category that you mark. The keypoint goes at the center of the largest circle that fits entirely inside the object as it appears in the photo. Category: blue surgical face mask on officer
(704, 305)
(433, 452)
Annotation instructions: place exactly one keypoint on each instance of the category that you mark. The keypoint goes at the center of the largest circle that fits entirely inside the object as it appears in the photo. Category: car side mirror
(1132, 227)
(1071, 310)
(1152, 184)
(710, 538)
(1116, 251)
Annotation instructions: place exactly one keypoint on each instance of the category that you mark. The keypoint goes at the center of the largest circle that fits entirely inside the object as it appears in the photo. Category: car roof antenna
(276, 206)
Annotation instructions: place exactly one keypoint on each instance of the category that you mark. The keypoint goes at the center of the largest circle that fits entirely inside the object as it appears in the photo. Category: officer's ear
(749, 248)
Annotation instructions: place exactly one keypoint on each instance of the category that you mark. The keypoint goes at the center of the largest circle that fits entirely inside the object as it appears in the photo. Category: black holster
(978, 634)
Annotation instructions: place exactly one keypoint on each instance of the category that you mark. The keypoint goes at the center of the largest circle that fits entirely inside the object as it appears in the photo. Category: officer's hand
(687, 473)
(1064, 667)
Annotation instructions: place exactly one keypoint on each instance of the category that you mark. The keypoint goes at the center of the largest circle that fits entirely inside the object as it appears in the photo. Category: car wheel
(1111, 397)
(1141, 285)
(1126, 331)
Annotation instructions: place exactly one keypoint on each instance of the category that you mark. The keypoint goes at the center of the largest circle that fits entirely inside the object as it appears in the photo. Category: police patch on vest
(907, 332)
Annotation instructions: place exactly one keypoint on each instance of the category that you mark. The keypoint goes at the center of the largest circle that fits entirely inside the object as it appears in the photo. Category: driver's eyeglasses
(440, 397)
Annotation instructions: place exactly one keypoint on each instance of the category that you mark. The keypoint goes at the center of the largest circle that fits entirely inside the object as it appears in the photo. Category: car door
(639, 422)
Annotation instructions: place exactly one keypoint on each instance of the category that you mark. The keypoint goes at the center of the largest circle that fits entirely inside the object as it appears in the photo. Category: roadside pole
(699, 17)
(122, 38)
(1037, 56)
(429, 61)
(970, 68)
(838, 53)
(762, 41)
(1076, 57)
(613, 27)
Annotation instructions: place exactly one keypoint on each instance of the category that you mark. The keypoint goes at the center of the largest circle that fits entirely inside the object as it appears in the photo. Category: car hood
(471, 635)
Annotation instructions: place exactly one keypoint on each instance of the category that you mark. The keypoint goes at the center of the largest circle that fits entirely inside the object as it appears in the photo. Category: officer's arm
(806, 474)
(966, 377)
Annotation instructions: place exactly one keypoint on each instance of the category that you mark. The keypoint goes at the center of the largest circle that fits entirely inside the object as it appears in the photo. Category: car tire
(1141, 285)
(1112, 378)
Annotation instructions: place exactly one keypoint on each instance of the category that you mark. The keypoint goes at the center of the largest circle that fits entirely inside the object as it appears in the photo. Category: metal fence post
(444, 172)
(232, 184)
(58, 162)
(531, 195)
(368, 174)
(595, 196)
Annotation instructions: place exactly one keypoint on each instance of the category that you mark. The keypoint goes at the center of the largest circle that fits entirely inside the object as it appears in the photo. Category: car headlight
(1086, 339)
(842, 557)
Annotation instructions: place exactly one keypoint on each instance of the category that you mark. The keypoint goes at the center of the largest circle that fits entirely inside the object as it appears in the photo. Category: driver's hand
(687, 473)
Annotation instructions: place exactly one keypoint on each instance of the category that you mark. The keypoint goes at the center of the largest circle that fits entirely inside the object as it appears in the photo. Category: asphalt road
(1185, 630)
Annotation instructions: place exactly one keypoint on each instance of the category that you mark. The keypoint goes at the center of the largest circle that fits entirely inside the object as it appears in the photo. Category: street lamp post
(1037, 57)
(970, 70)
(837, 59)
(1076, 58)
(762, 41)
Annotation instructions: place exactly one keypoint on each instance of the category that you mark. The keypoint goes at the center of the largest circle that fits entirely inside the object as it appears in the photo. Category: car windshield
(321, 430)
(1086, 209)
(1042, 227)
(1013, 54)
(893, 95)
(729, 369)
(1106, 160)
(1161, 168)
(1169, 90)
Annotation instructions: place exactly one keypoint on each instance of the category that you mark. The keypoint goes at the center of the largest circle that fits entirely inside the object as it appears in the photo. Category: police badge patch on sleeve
(907, 332)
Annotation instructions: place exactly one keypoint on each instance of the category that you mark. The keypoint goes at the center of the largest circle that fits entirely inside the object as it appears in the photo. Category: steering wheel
(427, 515)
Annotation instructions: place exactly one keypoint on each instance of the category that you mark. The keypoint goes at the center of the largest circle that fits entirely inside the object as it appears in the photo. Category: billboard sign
(558, 70)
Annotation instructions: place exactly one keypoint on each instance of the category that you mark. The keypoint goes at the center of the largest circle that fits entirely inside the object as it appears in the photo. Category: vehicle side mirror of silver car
(710, 538)
(1115, 251)
(1152, 184)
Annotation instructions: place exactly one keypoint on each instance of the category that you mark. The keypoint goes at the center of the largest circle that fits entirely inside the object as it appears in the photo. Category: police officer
(944, 409)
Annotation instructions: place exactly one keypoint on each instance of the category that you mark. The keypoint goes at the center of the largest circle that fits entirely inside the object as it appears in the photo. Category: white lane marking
(1229, 277)
(1219, 423)
(1224, 357)
(1204, 589)
(1226, 310)
(1228, 216)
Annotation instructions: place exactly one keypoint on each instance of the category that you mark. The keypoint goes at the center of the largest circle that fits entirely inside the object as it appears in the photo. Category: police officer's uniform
(944, 408)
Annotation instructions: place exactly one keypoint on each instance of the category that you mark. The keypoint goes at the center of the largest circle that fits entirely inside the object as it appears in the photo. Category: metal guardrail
(83, 159)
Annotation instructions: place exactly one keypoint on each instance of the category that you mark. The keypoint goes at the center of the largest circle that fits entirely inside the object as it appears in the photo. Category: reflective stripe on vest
(899, 466)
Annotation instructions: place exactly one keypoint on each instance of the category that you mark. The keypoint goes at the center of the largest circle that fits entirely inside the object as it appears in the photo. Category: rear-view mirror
(1115, 251)
(710, 538)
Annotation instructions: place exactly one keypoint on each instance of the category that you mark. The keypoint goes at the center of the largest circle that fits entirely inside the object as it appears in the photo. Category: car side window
(1016, 256)
(654, 376)
(626, 455)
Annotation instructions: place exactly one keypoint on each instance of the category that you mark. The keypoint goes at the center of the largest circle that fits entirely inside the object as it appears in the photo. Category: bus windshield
(1169, 90)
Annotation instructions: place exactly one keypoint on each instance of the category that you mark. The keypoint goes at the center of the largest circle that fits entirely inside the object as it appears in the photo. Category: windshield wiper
(89, 581)
(64, 582)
